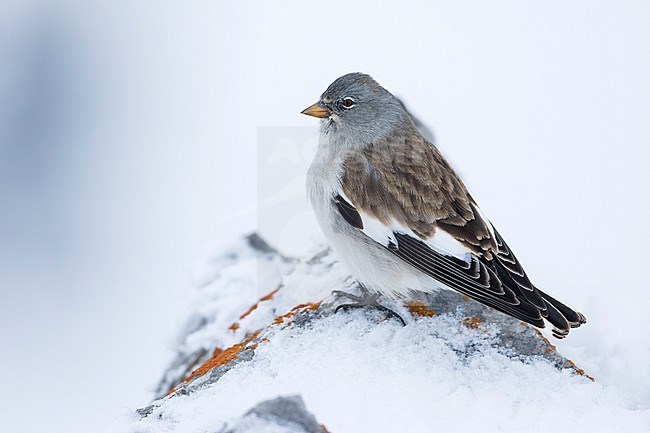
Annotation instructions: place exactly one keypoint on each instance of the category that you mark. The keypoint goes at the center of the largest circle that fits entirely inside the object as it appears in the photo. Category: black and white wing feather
(469, 256)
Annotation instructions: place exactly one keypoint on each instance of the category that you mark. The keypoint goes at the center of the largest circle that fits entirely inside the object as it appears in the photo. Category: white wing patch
(375, 229)
(441, 242)
(444, 243)
(378, 231)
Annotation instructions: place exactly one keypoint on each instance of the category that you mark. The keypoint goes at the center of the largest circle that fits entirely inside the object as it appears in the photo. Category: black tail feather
(573, 317)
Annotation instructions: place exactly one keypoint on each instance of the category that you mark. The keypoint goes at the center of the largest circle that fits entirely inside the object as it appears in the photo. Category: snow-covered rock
(266, 325)
(279, 415)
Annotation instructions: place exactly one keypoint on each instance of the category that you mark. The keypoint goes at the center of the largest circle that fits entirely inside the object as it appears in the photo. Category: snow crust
(358, 372)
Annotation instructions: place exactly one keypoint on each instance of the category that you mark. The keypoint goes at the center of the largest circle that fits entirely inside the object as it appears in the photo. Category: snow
(359, 375)
(133, 134)
(359, 372)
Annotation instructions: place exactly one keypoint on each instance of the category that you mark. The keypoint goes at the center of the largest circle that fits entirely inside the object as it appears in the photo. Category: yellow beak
(316, 110)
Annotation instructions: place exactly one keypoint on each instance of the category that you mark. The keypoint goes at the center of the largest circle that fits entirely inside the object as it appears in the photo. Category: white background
(128, 142)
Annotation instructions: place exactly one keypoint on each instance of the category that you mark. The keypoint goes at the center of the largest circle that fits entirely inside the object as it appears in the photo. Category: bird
(400, 218)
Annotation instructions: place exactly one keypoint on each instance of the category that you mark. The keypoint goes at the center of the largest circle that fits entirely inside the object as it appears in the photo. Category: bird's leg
(366, 299)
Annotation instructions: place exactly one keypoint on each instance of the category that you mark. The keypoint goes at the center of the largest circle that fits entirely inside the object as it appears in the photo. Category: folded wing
(423, 214)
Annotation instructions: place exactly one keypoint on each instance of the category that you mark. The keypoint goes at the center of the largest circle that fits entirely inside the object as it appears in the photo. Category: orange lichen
(418, 308)
(304, 307)
(221, 357)
(280, 319)
(472, 322)
(249, 311)
(580, 371)
(464, 298)
(552, 348)
(267, 297)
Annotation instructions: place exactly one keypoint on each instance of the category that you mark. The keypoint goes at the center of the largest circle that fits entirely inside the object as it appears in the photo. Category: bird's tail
(561, 316)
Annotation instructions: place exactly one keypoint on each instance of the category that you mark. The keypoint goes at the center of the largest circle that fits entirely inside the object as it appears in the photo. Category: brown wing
(405, 181)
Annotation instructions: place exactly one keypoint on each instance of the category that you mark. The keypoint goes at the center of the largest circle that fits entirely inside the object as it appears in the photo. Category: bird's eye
(347, 102)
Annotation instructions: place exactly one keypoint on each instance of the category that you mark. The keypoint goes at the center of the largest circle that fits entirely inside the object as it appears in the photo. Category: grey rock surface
(200, 365)
(189, 356)
(279, 415)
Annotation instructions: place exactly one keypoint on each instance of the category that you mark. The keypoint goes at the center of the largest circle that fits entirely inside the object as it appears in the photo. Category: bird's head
(358, 110)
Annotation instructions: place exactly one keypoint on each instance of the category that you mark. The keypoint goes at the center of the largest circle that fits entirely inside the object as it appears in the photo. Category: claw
(367, 299)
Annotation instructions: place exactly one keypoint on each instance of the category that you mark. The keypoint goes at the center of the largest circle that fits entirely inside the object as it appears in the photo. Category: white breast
(370, 262)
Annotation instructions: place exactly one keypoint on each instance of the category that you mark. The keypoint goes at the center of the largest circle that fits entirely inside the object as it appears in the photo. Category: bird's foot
(365, 300)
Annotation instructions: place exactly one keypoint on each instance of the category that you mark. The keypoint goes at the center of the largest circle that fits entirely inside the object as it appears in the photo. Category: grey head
(357, 111)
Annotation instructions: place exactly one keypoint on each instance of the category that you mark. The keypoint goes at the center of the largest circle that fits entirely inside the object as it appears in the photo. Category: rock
(292, 306)
(281, 415)
(285, 310)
